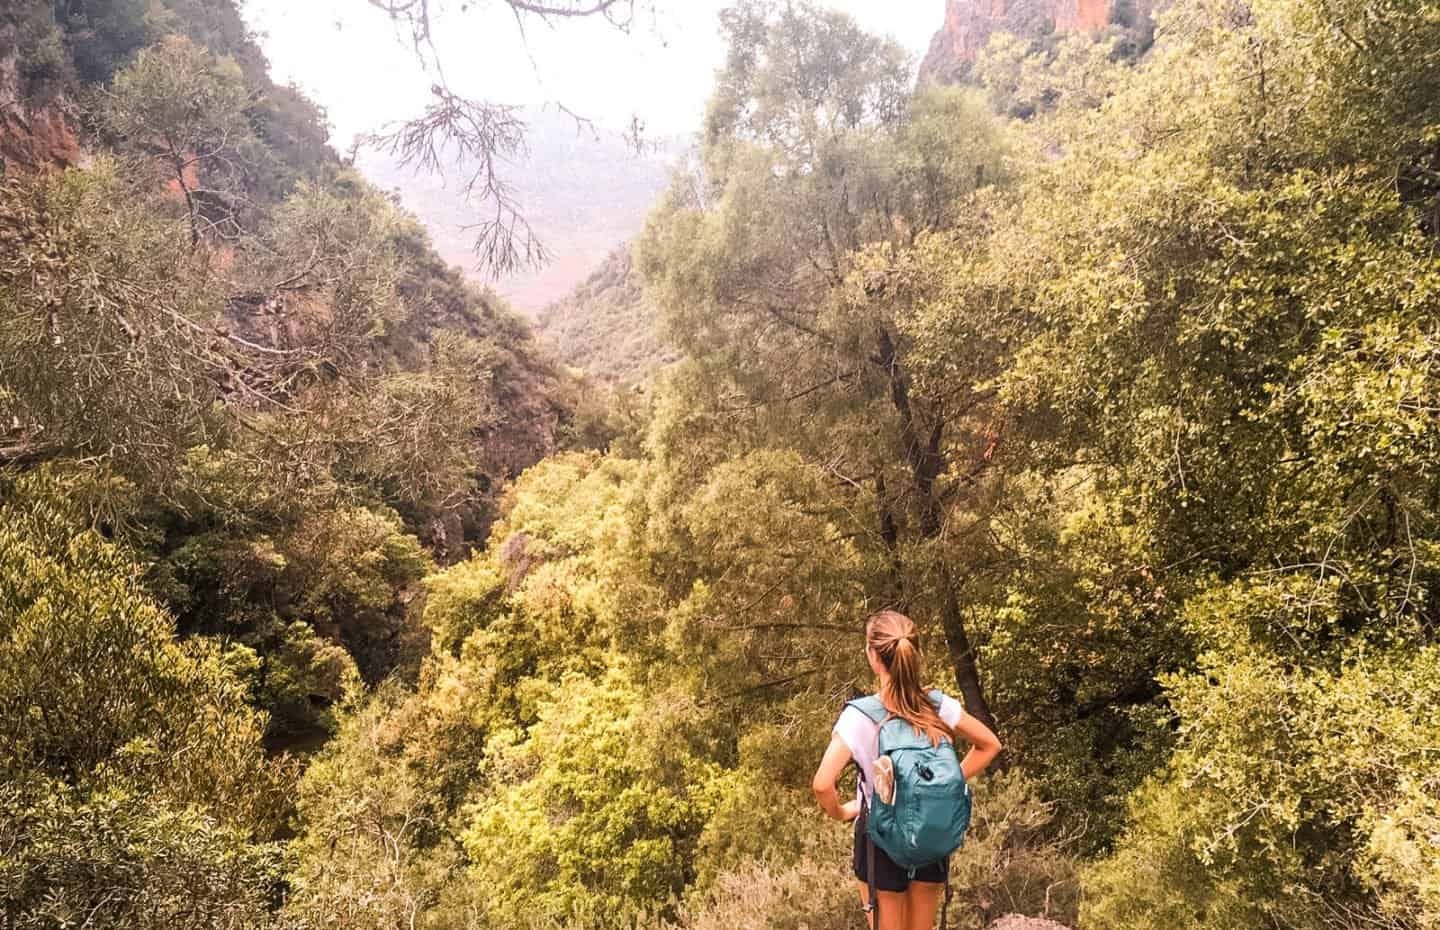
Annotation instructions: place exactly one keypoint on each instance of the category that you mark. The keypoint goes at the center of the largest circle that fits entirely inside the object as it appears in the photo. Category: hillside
(238, 357)
(606, 327)
(245, 195)
(585, 191)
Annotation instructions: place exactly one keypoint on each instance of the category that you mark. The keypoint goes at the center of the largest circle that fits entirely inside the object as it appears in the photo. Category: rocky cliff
(34, 128)
(970, 23)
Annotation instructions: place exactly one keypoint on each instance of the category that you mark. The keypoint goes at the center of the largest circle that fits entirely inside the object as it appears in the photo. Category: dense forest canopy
(327, 599)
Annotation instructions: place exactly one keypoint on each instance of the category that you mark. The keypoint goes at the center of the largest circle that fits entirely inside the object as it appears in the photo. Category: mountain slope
(606, 326)
(583, 191)
(242, 360)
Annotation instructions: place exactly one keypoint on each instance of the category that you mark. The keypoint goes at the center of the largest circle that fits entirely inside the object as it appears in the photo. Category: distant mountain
(606, 326)
(584, 192)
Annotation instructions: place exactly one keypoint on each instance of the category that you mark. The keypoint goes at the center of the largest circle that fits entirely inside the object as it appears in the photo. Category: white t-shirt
(860, 732)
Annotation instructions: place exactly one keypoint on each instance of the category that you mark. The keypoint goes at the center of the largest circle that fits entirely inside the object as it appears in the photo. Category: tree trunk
(925, 461)
(890, 533)
(962, 653)
(22, 453)
(190, 206)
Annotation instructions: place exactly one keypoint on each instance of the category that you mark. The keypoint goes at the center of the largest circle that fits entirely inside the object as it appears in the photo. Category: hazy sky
(347, 56)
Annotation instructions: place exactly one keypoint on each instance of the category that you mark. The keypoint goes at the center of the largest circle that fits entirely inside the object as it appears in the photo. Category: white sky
(347, 56)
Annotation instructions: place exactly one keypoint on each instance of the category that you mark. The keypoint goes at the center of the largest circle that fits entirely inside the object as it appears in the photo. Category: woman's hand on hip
(837, 756)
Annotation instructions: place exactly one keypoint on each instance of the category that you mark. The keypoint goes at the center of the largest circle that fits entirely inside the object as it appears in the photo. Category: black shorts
(888, 875)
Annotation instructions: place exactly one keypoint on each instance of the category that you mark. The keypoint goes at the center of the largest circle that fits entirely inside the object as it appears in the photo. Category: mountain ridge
(606, 326)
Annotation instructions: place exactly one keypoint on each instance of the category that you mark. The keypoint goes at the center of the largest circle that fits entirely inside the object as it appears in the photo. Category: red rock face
(34, 140)
(969, 24)
(32, 136)
(1083, 15)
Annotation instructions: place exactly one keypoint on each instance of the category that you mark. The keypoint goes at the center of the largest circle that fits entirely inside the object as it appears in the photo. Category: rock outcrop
(30, 139)
(32, 133)
(970, 23)
(32, 136)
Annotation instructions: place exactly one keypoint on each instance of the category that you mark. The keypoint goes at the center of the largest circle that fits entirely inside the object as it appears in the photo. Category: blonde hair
(897, 643)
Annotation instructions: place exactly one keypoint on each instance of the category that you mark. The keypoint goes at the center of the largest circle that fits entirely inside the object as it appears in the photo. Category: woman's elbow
(821, 787)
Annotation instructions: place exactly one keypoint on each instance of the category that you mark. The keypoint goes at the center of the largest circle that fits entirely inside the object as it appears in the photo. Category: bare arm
(837, 756)
(984, 746)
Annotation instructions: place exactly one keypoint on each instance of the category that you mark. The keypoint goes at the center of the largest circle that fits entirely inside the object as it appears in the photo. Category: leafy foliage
(103, 315)
(135, 785)
(1121, 375)
(128, 861)
(613, 798)
(772, 263)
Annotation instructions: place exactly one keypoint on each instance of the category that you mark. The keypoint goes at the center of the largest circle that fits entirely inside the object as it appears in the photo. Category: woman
(893, 647)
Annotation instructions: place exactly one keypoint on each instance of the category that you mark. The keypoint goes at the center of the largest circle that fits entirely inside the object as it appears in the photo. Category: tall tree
(786, 259)
(184, 112)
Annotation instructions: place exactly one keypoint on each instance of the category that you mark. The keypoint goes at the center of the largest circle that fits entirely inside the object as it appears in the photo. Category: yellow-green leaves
(1287, 787)
(598, 810)
(131, 761)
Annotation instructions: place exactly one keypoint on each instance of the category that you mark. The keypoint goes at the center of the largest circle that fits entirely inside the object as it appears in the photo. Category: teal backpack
(931, 808)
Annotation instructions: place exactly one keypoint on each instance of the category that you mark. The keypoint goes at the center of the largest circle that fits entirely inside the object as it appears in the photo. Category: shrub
(136, 792)
(103, 34)
(597, 808)
(94, 690)
(815, 891)
(129, 862)
(1296, 799)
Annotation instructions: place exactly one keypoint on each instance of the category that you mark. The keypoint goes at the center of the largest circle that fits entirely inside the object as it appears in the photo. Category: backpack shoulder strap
(872, 707)
(937, 697)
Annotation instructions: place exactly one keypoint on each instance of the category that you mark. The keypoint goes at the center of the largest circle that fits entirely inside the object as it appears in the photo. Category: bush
(815, 891)
(103, 34)
(372, 853)
(42, 59)
(1013, 861)
(95, 691)
(136, 791)
(1296, 799)
(129, 862)
(597, 808)
(353, 575)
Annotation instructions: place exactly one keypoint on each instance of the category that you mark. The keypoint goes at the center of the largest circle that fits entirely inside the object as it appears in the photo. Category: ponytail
(896, 641)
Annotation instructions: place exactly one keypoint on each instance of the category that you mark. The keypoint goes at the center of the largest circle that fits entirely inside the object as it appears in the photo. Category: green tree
(103, 34)
(135, 785)
(106, 327)
(374, 852)
(1231, 307)
(182, 112)
(597, 809)
(784, 264)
